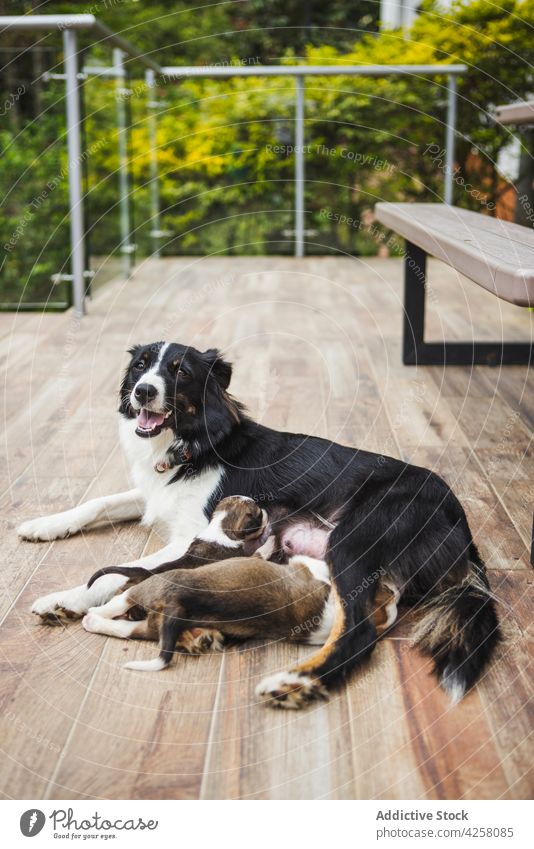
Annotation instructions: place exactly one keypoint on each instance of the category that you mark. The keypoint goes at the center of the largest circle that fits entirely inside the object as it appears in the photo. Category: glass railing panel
(34, 173)
(365, 142)
(225, 162)
(105, 101)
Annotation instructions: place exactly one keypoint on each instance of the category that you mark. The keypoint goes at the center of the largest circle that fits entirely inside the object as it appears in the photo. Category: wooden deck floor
(316, 346)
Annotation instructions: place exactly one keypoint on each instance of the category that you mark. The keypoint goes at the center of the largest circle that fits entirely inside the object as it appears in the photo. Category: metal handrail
(70, 25)
(309, 70)
(76, 23)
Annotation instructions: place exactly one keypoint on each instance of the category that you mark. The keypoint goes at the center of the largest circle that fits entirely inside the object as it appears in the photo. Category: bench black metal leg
(416, 351)
(414, 303)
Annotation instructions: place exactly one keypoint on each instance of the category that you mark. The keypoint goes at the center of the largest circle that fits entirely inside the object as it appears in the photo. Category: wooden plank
(260, 753)
(494, 532)
(516, 113)
(490, 423)
(46, 673)
(454, 747)
(134, 741)
(384, 763)
(497, 434)
(20, 560)
(518, 500)
(507, 688)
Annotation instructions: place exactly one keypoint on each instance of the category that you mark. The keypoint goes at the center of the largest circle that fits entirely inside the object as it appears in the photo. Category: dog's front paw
(44, 530)
(57, 608)
(290, 690)
(91, 622)
(200, 641)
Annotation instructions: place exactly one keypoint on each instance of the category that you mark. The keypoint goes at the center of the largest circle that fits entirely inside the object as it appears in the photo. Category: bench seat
(497, 255)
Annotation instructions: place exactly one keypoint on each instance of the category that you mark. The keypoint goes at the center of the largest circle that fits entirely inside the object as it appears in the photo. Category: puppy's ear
(219, 368)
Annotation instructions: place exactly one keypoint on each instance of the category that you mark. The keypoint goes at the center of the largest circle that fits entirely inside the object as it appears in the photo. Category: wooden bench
(520, 114)
(497, 255)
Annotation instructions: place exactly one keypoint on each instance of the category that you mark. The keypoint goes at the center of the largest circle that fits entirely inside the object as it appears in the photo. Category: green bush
(224, 147)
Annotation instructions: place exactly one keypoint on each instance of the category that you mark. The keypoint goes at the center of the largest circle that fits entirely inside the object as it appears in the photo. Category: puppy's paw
(267, 549)
(290, 690)
(92, 622)
(44, 530)
(200, 641)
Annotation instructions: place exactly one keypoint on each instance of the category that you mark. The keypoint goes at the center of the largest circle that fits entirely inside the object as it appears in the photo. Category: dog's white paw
(267, 549)
(91, 622)
(63, 605)
(290, 690)
(45, 529)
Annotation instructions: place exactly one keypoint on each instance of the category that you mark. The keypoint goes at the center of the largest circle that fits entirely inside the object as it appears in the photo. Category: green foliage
(272, 29)
(224, 147)
(367, 137)
(34, 226)
(495, 41)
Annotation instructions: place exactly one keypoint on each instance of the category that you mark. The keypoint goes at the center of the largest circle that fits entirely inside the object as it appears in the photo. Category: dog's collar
(162, 467)
(183, 455)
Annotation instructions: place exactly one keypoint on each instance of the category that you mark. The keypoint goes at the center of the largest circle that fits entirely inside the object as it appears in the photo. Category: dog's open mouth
(150, 423)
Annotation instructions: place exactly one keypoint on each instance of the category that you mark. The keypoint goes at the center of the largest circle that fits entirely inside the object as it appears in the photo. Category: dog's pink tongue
(148, 419)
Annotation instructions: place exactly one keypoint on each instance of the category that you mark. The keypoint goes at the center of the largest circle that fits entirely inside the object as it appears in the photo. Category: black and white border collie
(189, 444)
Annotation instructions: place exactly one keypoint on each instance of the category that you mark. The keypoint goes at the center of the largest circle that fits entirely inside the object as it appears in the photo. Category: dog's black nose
(145, 392)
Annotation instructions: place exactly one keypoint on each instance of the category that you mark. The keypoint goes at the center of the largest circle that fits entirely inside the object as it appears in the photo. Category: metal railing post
(77, 235)
(155, 228)
(121, 92)
(299, 166)
(450, 132)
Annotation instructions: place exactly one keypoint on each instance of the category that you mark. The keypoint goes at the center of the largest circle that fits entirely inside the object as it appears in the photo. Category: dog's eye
(178, 370)
(140, 364)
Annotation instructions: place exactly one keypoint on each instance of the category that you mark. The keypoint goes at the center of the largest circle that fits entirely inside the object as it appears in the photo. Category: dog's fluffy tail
(460, 630)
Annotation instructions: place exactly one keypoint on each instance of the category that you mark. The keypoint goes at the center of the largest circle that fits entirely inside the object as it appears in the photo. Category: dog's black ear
(125, 387)
(219, 368)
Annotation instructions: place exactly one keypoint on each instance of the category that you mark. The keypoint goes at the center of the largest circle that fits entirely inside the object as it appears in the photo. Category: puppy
(240, 598)
(243, 528)
(238, 527)
(194, 607)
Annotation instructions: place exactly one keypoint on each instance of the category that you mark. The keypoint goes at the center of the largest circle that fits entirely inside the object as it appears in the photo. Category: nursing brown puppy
(192, 606)
(238, 527)
(241, 597)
